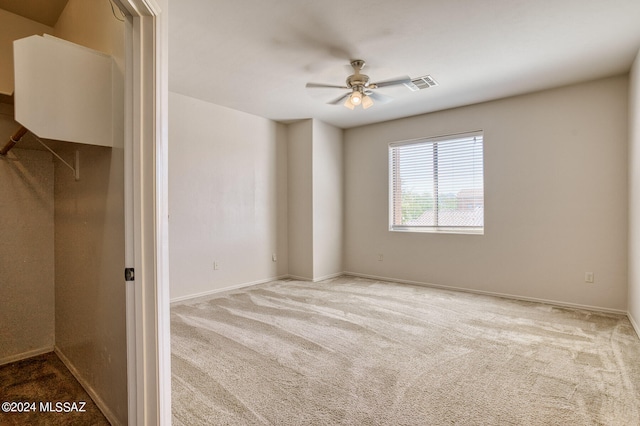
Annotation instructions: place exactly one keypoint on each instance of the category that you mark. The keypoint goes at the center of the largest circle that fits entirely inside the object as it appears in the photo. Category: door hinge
(129, 274)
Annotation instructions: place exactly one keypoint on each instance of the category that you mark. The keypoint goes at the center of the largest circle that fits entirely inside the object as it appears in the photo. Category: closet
(62, 219)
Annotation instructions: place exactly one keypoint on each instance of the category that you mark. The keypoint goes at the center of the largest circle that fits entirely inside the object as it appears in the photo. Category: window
(437, 184)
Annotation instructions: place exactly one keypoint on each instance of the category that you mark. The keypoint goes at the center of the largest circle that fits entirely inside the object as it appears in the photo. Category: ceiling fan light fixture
(367, 102)
(348, 103)
(361, 91)
(355, 98)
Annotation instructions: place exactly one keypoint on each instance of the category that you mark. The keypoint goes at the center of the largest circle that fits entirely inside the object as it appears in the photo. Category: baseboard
(224, 289)
(495, 294)
(25, 355)
(87, 387)
(634, 324)
(420, 283)
(298, 278)
(328, 277)
(315, 280)
(243, 285)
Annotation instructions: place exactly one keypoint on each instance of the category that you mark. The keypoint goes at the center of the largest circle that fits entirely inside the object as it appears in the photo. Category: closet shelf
(63, 91)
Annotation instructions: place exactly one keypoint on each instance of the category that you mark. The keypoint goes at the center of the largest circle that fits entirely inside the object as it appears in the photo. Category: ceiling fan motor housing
(357, 81)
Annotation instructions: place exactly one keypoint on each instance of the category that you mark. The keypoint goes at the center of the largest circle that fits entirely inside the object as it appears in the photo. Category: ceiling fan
(361, 89)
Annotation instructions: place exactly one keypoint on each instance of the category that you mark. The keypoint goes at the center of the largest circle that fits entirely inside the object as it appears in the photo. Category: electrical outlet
(588, 277)
(274, 258)
(380, 257)
(215, 265)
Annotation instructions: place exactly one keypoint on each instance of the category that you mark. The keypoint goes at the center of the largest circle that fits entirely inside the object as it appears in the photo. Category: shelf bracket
(76, 169)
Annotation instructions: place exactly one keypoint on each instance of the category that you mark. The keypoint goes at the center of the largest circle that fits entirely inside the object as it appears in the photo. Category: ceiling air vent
(420, 83)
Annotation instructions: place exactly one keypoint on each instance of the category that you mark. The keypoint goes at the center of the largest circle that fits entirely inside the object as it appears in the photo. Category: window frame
(470, 230)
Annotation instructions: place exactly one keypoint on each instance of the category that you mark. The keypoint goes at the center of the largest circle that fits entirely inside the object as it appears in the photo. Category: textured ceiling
(46, 12)
(257, 56)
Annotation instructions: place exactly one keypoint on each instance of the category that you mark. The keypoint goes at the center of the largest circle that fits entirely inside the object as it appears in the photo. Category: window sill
(441, 230)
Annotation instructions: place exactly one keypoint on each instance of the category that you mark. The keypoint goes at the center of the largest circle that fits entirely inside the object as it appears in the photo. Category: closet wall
(64, 285)
(26, 249)
(26, 218)
(13, 27)
(89, 232)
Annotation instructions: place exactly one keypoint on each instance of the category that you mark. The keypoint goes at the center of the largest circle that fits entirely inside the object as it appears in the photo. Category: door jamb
(146, 208)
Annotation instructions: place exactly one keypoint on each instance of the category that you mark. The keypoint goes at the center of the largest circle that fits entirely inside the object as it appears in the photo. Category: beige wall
(327, 200)
(227, 197)
(14, 27)
(26, 250)
(555, 199)
(300, 198)
(89, 264)
(315, 199)
(26, 212)
(89, 232)
(242, 188)
(92, 24)
(555, 188)
(634, 195)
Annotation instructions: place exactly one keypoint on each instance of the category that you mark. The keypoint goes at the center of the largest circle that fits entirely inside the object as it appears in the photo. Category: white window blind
(437, 184)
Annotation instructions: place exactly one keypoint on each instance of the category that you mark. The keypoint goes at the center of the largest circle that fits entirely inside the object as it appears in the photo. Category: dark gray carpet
(360, 352)
(43, 379)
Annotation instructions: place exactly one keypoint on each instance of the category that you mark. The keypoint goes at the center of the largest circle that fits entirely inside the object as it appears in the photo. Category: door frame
(146, 212)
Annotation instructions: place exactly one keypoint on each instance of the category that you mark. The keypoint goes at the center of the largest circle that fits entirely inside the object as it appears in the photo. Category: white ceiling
(257, 55)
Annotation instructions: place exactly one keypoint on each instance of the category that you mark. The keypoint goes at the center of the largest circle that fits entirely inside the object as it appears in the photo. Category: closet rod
(22, 131)
(13, 140)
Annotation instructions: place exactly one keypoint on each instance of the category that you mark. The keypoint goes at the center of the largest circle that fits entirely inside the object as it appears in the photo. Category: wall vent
(420, 83)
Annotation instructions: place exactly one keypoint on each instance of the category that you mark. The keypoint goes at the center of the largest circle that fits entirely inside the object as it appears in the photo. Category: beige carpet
(360, 352)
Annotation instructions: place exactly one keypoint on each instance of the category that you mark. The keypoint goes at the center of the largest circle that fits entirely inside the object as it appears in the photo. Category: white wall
(634, 195)
(328, 184)
(227, 197)
(555, 199)
(300, 198)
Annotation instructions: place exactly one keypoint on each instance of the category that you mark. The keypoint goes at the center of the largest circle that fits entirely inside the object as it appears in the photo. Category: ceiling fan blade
(380, 98)
(340, 99)
(393, 82)
(324, 86)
